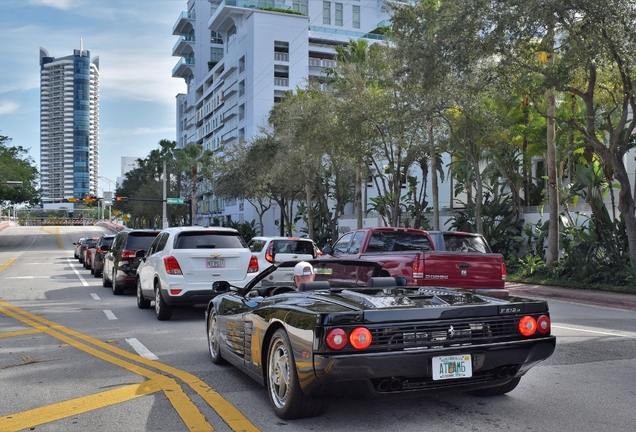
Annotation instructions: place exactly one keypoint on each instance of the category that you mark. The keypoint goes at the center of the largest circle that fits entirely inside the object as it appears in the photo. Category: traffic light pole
(165, 197)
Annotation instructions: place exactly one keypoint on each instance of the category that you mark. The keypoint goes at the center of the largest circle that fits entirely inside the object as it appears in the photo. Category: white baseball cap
(303, 268)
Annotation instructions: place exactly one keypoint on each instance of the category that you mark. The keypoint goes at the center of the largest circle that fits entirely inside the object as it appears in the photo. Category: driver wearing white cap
(303, 272)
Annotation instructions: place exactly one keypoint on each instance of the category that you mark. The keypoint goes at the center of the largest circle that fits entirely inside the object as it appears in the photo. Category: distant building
(128, 163)
(239, 57)
(69, 126)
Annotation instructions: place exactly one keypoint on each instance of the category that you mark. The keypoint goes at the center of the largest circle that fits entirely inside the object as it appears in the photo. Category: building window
(241, 135)
(241, 111)
(242, 88)
(326, 12)
(300, 6)
(242, 64)
(215, 37)
(356, 16)
(339, 14)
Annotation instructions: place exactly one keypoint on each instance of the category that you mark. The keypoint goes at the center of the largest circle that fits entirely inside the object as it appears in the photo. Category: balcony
(282, 57)
(281, 82)
(221, 10)
(185, 21)
(183, 66)
(183, 47)
(345, 33)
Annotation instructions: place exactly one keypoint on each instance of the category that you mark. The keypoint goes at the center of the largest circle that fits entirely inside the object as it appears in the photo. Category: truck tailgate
(463, 270)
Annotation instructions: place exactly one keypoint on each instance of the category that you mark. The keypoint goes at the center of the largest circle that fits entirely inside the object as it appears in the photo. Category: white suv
(279, 249)
(183, 262)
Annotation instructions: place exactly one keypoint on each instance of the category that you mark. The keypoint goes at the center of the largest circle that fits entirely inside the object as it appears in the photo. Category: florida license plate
(450, 367)
(215, 262)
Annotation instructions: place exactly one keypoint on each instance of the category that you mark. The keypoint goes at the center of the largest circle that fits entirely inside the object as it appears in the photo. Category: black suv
(121, 260)
(101, 247)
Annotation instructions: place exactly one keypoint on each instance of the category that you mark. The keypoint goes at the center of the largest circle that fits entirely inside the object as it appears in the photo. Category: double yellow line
(186, 409)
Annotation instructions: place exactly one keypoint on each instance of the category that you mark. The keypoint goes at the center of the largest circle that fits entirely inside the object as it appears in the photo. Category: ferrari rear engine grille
(444, 334)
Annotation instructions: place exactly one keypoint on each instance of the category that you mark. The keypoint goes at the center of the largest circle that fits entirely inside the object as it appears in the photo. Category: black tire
(162, 309)
(214, 341)
(105, 282)
(97, 273)
(142, 302)
(92, 269)
(285, 395)
(496, 391)
(117, 288)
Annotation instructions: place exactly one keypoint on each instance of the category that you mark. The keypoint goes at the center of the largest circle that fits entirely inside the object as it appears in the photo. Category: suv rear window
(464, 243)
(107, 241)
(209, 240)
(140, 240)
(292, 246)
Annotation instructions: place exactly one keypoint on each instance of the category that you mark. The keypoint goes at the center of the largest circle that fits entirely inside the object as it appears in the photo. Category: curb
(590, 297)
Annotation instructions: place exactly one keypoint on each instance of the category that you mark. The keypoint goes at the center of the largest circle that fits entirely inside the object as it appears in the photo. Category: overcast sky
(133, 39)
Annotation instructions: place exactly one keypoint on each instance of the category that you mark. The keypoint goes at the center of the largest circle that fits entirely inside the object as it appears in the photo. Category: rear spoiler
(494, 292)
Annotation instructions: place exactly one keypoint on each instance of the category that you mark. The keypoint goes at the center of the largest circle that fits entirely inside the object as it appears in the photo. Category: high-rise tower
(69, 126)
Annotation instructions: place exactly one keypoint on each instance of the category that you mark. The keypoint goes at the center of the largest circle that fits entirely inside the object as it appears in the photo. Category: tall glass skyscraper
(69, 126)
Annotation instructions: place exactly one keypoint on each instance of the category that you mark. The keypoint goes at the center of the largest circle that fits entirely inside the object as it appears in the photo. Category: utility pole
(165, 196)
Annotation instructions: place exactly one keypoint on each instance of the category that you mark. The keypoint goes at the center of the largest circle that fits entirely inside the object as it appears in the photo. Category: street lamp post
(110, 216)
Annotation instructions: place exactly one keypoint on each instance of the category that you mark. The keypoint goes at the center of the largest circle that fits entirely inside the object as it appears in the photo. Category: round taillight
(336, 339)
(527, 326)
(543, 324)
(360, 338)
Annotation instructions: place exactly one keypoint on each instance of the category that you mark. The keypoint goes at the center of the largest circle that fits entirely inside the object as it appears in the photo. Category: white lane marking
(141, 349)
(81, 278)
(593, 331)
(110, 315)
(30, 277)
(95, 296)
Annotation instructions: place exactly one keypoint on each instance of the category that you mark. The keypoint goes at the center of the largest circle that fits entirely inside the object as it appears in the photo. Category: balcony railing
(346, 33)
(281, 82)
(182, 63)
(283, 57)
(185, 16)
(183, 39)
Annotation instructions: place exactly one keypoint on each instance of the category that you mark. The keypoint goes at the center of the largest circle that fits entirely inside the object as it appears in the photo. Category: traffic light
(90, 198)
(121, 198)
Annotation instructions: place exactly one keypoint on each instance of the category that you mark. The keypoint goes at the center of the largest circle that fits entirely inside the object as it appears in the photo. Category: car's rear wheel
(117, 288)
(162, 309)
(97, 273)
(498, 390)
(105, 282)
(214, 341)
(285, 395)
(142, 303)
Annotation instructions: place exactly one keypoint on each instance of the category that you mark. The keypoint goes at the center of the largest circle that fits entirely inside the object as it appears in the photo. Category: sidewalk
(597, 298)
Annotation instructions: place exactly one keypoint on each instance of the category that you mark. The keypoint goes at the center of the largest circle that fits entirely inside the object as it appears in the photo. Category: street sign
(174, 200)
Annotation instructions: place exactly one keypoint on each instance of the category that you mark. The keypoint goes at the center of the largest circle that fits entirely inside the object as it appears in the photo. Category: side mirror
(221, 287)
(327, 250)
(140, 253)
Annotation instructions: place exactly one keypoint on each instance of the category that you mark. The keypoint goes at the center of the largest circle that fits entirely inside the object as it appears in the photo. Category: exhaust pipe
(396, 384)
(513, 371)
(383, 386)
(503, 373)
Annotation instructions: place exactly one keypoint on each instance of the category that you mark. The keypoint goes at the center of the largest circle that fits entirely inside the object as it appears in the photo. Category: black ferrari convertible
(352, 330)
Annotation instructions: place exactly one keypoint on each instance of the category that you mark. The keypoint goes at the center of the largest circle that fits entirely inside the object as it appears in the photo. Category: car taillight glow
(543, 324)
(268, 253)
(175, 291)
(527, 326)
(172, 266)
(128, 253)
(336, 339)
(360, 338)
(253, 267)
(503, 271)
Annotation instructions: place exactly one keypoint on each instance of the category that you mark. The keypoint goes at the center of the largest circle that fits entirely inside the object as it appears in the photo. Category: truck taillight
(503, 271)
(172, 266)
(253, 267)
(418, 268)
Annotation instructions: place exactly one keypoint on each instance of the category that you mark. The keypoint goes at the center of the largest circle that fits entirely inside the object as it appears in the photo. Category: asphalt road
(75, 357)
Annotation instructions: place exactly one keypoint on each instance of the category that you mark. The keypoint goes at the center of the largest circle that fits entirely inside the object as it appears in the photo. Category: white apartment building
(237, 61)
(69, 126)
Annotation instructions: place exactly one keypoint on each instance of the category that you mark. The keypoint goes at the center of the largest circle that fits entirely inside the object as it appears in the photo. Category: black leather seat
(313, 286)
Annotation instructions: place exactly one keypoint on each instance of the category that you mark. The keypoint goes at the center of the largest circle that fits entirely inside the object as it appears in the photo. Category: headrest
(313, 286)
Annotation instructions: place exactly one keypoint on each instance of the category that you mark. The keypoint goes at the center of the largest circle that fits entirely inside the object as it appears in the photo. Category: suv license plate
(215, 262)
(450, 367)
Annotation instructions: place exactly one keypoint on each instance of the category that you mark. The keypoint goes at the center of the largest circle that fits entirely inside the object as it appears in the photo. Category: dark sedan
(101, 247)
(351, 331)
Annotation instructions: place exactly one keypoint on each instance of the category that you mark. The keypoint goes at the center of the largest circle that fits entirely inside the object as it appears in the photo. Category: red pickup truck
(412, 254)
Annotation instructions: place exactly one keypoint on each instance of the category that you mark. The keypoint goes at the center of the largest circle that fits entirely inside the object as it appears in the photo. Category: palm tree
(195, 159)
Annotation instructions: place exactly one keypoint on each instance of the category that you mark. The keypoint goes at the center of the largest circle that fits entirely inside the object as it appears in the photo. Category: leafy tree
(16, 165)
(197, 161)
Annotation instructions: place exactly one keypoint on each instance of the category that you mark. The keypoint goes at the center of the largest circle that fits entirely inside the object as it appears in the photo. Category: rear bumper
(411, 371)
(192, 293)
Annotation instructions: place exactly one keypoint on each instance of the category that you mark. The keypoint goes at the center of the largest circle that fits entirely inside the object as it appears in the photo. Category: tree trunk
(310, 211)
(359, 194)
(553, 186)
(434, 186)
